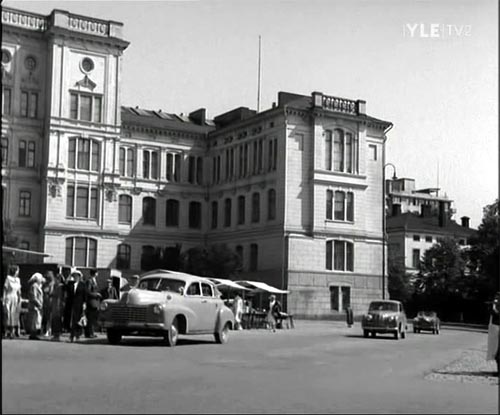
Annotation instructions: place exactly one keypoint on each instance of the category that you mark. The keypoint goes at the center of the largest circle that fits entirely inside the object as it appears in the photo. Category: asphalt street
(318, 367)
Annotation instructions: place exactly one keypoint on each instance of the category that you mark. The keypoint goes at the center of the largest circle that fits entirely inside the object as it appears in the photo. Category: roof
(163, 120)
(412, 222)
(181, 275)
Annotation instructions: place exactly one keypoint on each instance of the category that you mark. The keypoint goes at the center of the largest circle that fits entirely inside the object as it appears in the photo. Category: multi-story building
(295, 190)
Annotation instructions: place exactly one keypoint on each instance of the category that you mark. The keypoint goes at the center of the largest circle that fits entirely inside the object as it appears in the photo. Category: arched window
(172, 213)
(338, 150)
(125, 209)
(328, 150)
(254, 257)
(215, 214)
(195, 215)
(81, 252)
(255, 207)
(227, 212)
(148, 257)
(271, 204)
(123, 257)
(149, 211)
(241, 210)
(127, 162)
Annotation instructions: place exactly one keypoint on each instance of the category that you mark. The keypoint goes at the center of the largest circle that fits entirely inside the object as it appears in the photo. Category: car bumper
(381, 329)
(131, 325)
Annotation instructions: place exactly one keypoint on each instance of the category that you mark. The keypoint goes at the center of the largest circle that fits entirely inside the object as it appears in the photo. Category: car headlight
(368, 317)
(392, 318)
(104, 306)
(157, 308)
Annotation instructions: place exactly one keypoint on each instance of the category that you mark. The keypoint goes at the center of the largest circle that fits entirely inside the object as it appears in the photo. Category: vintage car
(426, 320)
(167, 303)
(385, 316)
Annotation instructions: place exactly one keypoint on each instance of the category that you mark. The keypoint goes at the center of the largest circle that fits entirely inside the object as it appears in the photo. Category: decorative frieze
(86, 25)
(24, 20)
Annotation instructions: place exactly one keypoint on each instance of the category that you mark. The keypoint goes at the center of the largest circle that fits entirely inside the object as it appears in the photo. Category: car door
(193, 301)
(210, 306)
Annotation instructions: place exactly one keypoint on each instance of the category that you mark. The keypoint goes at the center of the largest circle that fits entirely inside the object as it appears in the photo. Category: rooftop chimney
(443, 215)
(199, 116)
(465, 221)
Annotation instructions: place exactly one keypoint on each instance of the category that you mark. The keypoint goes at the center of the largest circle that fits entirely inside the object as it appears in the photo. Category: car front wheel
(222, 335)
(396, 334)
(114, 337)
(172, 334)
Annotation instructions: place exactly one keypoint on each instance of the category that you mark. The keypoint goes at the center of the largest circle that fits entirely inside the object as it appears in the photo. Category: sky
(428, 66)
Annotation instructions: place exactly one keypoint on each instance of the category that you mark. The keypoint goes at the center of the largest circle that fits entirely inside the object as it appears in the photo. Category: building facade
(295, 190)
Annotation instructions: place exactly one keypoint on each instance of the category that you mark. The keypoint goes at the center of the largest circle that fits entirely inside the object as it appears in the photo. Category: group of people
(274, 315)
(55, 304)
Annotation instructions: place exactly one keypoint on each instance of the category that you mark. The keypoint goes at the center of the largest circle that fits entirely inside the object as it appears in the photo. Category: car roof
(164, 273)
(386, 301)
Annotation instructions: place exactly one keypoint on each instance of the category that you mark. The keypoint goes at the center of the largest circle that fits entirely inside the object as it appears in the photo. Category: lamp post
(384, 233)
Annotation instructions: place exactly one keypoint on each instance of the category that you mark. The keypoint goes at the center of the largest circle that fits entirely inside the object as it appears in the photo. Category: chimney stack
(465, 221)
(199, 116)
(443, 214)
(396, 209)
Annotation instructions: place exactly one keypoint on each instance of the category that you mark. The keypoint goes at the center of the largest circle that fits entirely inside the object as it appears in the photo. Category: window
(199, 170)
(81, 252)
(240, 165)
(255, 207)
(245, 159)
(340, 255)
(84, 154)
(416, 258)
(5, 150)
(149, 211)
(328, 151)
(85, 107)
(172, 213)
(127, 162)
(195, 215)
(26, 153)
(24, 203)
(193, 289)
(241, 210)
(29, 104)
(215, 214)
(272, 154)
(329, 204)
(271, 204)
(254, 257)
(192, 169)
(150, 164)
(82, 201)
(31, 154)
(261, 155)
(206, 290)
(428, 239)
(6, 101)
(416, 238)
(22, 154)
(125, 209)
(372, 152)
(334, 298)
(173, 167)
(344, 206)
(346, 297)
(123, 257)
(148, 255)
(239, 252)
(227, 212)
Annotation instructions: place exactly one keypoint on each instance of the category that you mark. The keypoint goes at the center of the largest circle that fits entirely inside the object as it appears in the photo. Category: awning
(263, 286)
(228, 283)
(23, 251)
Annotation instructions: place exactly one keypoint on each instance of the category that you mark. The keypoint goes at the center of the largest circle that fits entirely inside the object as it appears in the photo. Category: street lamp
(384, 233)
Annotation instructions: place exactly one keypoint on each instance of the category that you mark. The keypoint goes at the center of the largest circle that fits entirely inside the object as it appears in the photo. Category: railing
(26, 20)
(339, 104)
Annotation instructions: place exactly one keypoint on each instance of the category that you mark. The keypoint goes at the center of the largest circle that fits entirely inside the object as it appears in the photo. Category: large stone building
(295, 190)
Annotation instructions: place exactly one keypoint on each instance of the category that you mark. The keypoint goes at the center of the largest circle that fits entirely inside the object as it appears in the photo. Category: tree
(216, 260)
(399, 284)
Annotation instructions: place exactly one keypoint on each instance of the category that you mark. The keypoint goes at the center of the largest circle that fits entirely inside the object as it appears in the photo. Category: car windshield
(426, 314)
(162, 284)
(383, 306)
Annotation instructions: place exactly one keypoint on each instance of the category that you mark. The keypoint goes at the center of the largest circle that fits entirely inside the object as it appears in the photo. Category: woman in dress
(48, 290)
(12, 301)
(35, 305)
(57, 307)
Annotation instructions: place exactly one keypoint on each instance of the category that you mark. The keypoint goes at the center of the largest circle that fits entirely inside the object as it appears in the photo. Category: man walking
(93, 300)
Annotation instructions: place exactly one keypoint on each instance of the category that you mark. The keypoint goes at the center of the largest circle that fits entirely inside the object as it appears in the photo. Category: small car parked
(167, 303)
(385, 316)
(426, 320)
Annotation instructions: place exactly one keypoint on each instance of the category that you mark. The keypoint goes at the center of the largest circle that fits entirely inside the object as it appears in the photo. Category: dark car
(426, 320)
(385, 316)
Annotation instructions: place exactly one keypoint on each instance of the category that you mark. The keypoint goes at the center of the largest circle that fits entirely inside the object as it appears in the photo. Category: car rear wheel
(172, 334)
(222, 335)
(114, 337)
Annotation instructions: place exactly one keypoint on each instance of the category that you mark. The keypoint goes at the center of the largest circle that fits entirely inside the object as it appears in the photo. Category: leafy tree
(216, 260)
(399, 283)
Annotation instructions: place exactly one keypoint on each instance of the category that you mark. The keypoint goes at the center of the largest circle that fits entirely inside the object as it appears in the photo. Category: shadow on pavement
(465, 373)
(379, 337)
(143, 342)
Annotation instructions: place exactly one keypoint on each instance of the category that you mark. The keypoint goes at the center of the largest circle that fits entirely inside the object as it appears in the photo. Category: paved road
(320, 367)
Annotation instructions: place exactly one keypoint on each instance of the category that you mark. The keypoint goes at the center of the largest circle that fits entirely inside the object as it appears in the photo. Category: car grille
(123, 314)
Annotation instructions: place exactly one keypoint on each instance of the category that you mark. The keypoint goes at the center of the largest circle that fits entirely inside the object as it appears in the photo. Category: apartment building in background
(295, 190)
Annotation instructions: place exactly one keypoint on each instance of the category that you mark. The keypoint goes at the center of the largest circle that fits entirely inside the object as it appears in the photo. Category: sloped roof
(413, 222)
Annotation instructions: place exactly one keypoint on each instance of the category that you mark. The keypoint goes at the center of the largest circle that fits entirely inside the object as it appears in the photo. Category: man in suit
(77, 297)
(93, 301)
(109, 292)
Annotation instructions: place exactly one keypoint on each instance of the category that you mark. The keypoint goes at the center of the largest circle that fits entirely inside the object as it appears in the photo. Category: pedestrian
(493, 351)
(12, 301)
(57, 307)
(69, 289)
(76, 297)
(238, 311)
(109, 293)
(133, 283)
(273, 314)
(93, 301)
(35, 305)
(48, 289)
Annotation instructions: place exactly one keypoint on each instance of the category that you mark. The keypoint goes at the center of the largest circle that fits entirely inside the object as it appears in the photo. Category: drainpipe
(383, 211)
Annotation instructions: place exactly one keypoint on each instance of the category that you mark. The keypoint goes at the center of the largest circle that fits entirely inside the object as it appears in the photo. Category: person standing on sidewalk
(493, 351)
(35, 305)
(12, 301)
(93, 300)
(57, 307)
(77, 296)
